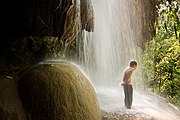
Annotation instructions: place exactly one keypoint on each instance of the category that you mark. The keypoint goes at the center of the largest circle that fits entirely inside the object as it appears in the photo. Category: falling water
(107, 51)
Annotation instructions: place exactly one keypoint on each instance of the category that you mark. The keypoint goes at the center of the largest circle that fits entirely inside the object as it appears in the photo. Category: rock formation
(32, 19)
(10, 104)
(57, 92)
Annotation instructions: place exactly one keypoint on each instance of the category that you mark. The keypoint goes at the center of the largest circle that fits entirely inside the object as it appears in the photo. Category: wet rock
(87, 15)
(10, 104)
(79, 16)
(57, 92)
(72, 24)
(123, 115)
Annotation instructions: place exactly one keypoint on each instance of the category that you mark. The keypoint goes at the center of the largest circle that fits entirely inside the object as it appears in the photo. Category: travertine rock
(57, 92)
(10, 104)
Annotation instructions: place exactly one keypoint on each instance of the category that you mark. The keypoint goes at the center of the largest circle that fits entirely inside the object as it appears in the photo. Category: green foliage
(162, 54)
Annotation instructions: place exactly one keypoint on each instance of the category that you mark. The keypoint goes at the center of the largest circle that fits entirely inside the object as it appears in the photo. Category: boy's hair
(133, 63)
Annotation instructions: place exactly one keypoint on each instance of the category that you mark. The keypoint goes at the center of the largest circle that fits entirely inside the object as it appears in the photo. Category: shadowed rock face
(57, 92)
(10, 104)
(39, 18)
(87, 15)
(44, 17)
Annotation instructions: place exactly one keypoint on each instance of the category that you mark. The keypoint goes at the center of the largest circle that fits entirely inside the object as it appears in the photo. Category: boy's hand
(122, 83)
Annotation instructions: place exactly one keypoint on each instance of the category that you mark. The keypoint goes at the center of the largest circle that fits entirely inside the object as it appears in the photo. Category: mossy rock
(10, 104)
(57, 92)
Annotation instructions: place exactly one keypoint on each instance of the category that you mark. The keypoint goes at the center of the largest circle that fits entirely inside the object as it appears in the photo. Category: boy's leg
(130, 96)
(125, 95)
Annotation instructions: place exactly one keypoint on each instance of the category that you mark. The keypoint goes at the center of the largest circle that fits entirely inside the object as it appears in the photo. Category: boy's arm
(128, 75)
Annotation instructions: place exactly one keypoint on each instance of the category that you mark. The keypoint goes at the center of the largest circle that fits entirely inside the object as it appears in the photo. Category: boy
(127, 84)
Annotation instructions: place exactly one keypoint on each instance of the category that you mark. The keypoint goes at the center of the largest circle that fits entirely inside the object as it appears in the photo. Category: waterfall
(108, 50)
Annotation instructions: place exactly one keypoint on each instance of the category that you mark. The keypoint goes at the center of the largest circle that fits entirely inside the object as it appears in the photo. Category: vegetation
(162, 54)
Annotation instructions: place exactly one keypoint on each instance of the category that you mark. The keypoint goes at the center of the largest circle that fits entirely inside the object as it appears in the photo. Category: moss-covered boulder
(57, 92)
(10, 104)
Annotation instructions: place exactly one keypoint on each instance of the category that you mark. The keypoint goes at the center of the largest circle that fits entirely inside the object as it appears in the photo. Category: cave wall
(22, 22)
(143, 16)
(42, 17)
(149, 18)
(25, 26)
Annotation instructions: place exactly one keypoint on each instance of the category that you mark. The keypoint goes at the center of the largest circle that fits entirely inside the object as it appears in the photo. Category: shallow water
(111, 100)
